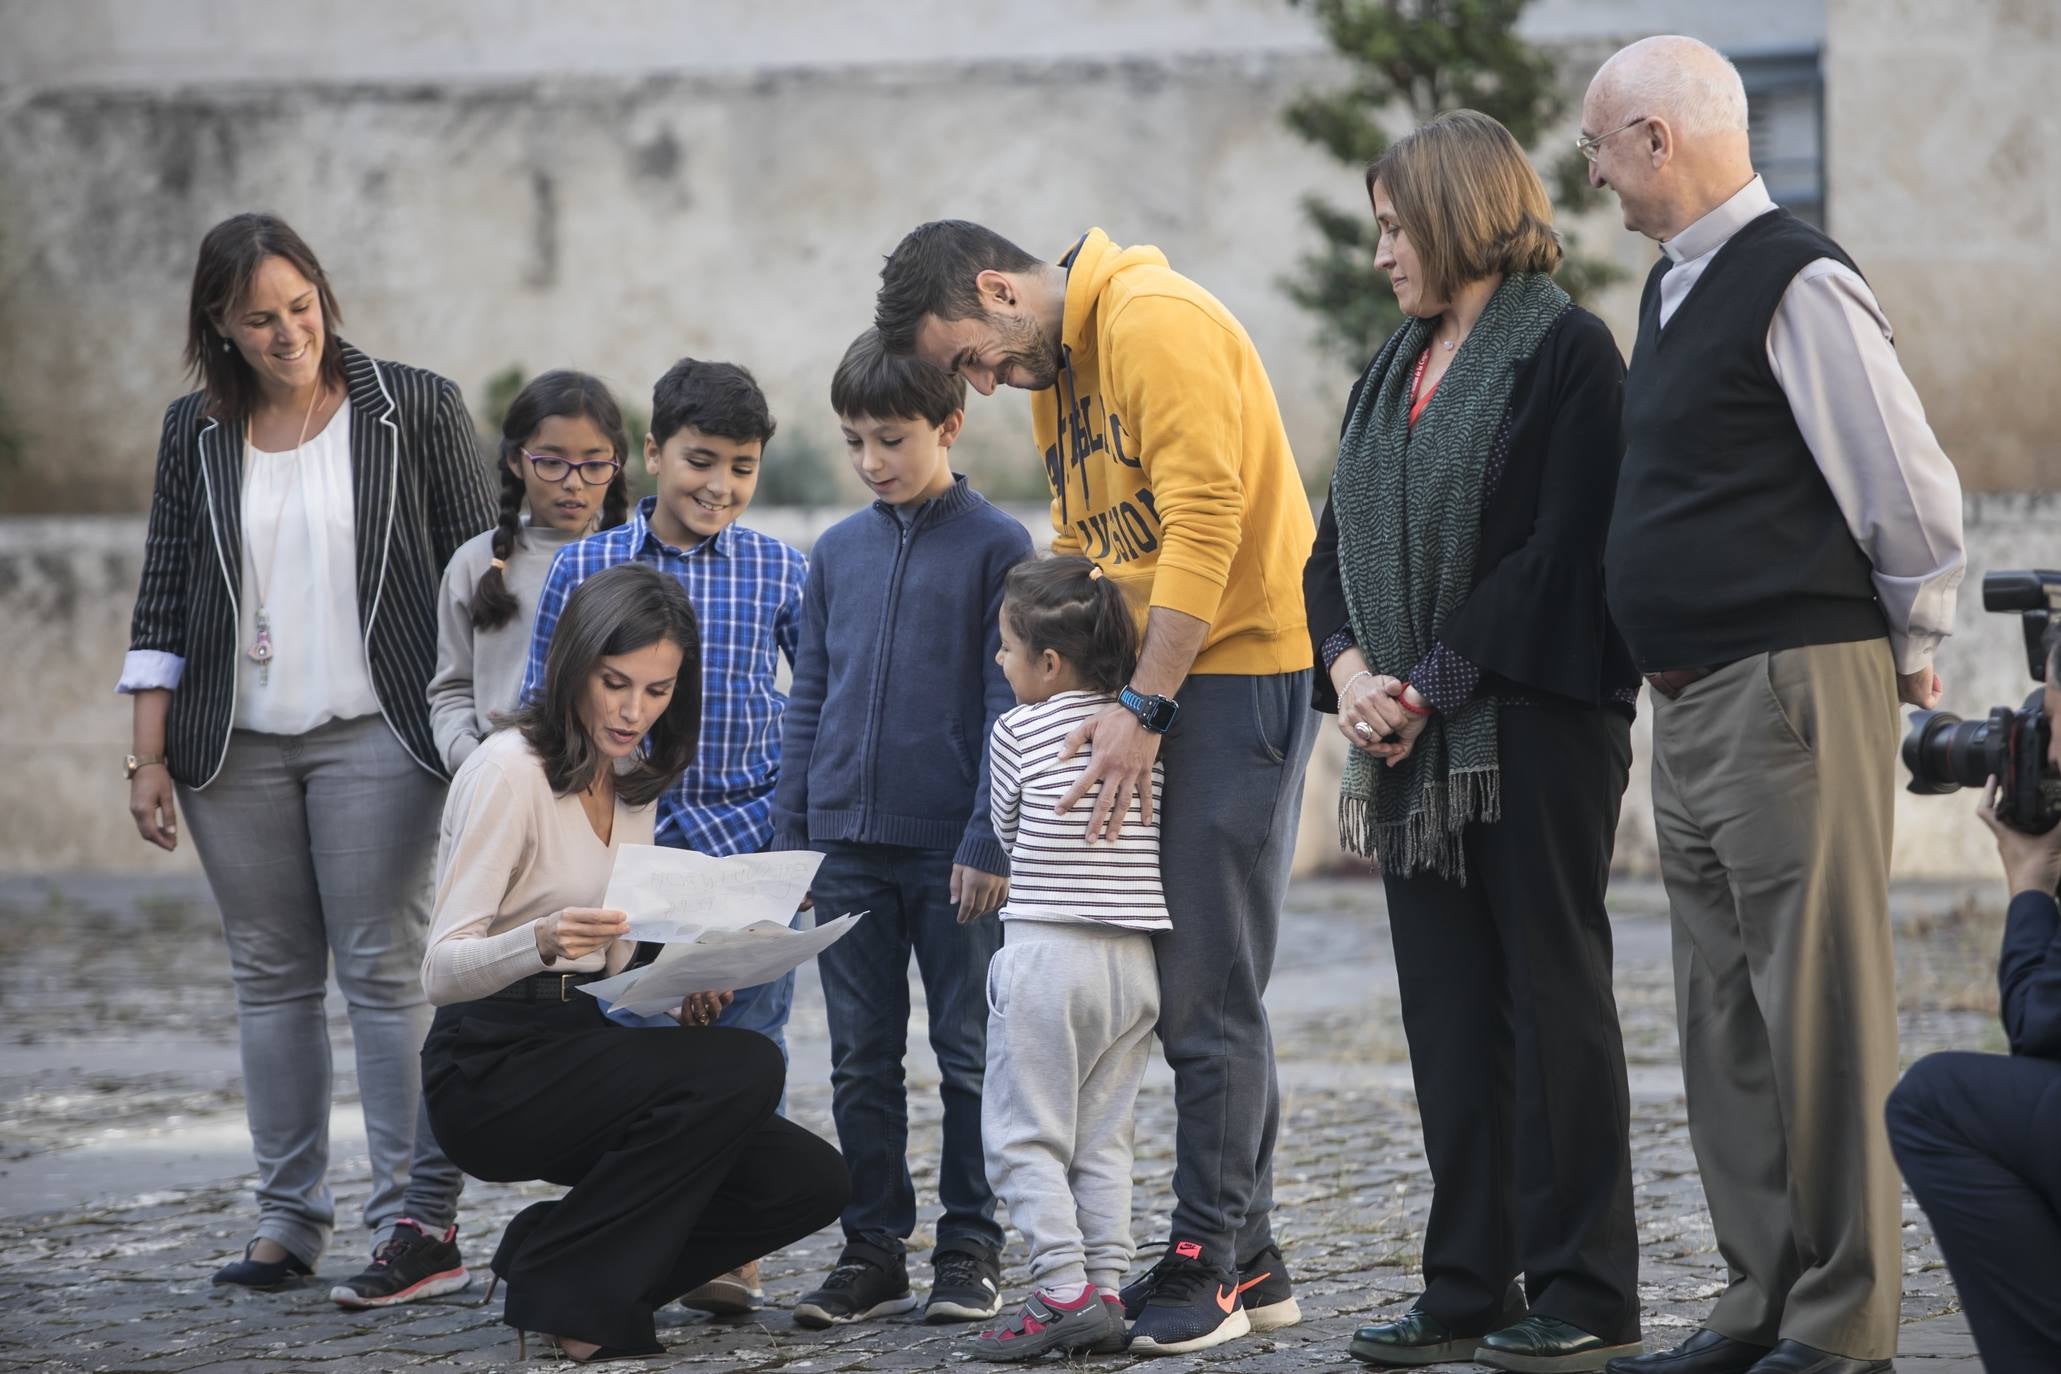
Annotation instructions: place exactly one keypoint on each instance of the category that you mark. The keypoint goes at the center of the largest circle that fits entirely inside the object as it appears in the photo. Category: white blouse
(300, 553)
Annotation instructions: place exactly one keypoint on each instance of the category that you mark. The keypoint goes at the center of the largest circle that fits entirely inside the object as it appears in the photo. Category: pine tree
(1425, 56)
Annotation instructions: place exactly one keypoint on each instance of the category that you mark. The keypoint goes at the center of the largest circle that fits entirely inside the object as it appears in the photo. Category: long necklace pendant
(261, 647)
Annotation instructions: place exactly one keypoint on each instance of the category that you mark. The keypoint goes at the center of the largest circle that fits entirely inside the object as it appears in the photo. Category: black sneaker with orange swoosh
(1194, 1304)
(1268, 1294)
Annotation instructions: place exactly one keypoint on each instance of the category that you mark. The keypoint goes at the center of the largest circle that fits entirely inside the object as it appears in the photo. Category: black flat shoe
(263, 1276)
(1414, 1338)
(1794, 1357)
(1706, 1352)
(1546, 1345)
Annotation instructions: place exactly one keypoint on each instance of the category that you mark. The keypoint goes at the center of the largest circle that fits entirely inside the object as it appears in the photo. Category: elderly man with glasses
(1783, 557)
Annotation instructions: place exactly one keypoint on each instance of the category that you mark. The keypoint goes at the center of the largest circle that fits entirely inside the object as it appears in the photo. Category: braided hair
(1066, 605)
(563, 393)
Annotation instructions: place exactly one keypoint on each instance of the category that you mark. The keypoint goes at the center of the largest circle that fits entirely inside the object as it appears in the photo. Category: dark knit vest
(1725, 540)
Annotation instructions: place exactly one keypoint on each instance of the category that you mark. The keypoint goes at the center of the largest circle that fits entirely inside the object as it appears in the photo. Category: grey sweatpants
(1234, 768)
(1070, 1015)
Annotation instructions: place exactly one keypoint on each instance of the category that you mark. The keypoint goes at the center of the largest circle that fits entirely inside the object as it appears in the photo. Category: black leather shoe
(1416, 1337)
(1547, 1345)
(1706, 1352)
(1794, 1357)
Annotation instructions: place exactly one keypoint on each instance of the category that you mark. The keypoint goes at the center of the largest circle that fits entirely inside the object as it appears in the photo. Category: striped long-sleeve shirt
(1054, 873)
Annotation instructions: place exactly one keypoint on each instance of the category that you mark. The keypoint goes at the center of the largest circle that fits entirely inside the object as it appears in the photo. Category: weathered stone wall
(67, 585)
(617, 224)
(1943, 166)
(612, 185)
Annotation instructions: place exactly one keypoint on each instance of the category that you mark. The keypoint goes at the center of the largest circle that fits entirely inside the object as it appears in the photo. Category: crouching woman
(679, 1168)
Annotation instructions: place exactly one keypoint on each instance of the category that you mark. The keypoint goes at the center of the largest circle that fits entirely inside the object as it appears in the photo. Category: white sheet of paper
(676, 894)
(717, 961)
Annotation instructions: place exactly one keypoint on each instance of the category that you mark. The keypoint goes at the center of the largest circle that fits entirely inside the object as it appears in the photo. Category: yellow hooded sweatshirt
(1167, 460)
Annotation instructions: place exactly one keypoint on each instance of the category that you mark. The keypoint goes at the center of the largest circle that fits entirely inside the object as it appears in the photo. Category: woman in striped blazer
(307, 499)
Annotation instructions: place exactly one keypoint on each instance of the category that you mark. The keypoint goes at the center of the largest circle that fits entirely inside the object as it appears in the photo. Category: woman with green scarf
(1456, 598)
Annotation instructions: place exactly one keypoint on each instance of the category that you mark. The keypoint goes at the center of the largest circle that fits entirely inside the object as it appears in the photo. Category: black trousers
(678, 1165)
(1514, 1041)
(1978, 1137)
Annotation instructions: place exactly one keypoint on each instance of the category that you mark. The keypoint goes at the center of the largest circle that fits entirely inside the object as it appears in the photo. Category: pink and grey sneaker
(408, 1266)
(1092, 1322)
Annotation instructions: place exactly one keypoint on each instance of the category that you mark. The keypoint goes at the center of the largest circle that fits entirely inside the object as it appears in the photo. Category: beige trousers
(1772, 787)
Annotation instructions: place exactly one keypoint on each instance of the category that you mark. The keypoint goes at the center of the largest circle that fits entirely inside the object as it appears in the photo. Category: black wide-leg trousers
(1514, 1040)
(678, 1166)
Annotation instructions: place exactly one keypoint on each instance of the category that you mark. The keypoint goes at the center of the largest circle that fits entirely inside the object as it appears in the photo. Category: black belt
(544, 987)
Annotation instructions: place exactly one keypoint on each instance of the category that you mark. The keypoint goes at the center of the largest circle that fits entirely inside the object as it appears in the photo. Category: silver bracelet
(1364, 672)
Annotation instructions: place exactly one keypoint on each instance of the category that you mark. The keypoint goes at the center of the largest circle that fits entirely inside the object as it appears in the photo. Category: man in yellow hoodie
(1169, 467)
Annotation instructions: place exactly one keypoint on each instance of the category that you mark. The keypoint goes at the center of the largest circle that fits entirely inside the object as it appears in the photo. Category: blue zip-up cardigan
(885, 738)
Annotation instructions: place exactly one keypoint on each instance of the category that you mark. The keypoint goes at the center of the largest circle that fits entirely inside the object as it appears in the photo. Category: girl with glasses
(562, 451)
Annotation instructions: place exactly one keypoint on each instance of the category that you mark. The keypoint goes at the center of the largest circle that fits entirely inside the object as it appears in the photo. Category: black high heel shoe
(519, 1226)
(262, 1276)
(606, 1352)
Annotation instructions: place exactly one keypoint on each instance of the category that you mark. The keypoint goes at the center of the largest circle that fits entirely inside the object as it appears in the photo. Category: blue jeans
(866, 996)
(764, 1009)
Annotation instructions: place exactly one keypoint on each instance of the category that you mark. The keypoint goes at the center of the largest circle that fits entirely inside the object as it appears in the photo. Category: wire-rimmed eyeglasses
(595, 472)
(1587, 144)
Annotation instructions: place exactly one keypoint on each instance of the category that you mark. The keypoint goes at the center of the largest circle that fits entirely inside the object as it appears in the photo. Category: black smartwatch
(1156, 714)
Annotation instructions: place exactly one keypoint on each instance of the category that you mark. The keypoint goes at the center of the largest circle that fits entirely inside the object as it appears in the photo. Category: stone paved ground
(124, 1168)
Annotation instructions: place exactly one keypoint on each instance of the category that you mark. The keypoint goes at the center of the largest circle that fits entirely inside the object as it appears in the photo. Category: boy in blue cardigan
(884, 750)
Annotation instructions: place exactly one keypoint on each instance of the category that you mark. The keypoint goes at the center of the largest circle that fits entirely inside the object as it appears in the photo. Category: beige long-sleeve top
(509, 853)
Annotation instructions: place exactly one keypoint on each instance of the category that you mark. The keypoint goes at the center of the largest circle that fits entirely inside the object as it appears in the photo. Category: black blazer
(419, 491)
(1536, 617)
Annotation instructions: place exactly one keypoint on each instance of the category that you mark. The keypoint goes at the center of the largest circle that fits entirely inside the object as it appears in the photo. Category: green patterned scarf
(1408, 504)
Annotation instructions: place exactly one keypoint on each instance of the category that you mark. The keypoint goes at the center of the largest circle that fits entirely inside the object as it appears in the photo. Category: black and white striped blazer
(419, 490)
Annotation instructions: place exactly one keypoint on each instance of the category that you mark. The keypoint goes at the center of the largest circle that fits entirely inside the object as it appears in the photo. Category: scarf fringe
(1430, 837)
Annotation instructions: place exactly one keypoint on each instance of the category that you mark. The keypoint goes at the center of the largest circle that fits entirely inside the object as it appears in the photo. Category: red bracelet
(1404, 698)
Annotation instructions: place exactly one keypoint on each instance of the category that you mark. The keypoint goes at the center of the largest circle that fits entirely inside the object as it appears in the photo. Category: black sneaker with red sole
(408, 1266)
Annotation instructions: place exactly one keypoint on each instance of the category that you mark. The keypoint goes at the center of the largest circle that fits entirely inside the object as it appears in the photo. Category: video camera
(1945, 753)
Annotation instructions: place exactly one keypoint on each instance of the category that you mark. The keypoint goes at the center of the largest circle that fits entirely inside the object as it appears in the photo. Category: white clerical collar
(1709, 233)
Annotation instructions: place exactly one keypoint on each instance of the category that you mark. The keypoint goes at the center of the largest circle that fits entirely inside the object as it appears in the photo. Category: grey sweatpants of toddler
(1071, 1008)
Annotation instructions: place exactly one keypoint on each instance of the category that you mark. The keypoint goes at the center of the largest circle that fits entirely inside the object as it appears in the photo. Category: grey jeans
(317, 845)
(1234, 769)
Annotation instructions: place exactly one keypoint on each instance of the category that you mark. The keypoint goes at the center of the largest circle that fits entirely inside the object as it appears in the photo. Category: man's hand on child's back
(977, 892)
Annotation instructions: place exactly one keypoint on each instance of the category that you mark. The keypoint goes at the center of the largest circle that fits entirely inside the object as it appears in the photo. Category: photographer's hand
(2032, 863)
(1921, 689)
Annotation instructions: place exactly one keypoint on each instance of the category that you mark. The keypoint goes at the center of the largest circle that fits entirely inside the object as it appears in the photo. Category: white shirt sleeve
(147, 670)
(1830, 347)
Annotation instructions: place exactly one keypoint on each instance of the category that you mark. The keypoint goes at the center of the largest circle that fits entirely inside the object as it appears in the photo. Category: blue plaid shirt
(747, 589)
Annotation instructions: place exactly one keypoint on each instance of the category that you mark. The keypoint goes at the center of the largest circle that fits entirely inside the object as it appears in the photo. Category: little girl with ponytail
(562, 455)
(1073, 994)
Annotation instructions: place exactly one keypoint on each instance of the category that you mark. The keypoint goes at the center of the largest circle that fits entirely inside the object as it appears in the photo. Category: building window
(1785, 112)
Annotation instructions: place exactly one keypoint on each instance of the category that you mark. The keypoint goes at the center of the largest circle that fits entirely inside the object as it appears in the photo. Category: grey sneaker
(1091, 1322)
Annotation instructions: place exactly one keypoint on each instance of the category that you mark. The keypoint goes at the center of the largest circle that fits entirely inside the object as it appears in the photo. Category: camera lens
(1945, 753)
